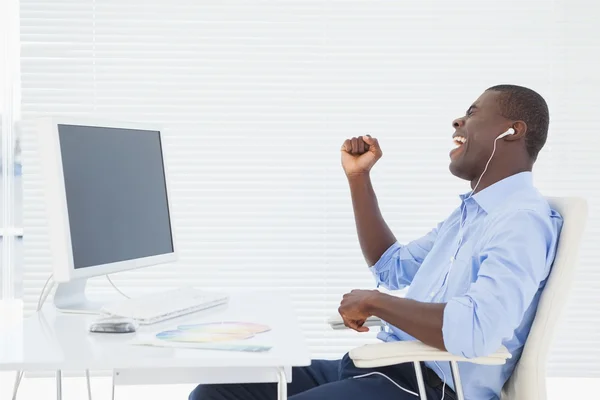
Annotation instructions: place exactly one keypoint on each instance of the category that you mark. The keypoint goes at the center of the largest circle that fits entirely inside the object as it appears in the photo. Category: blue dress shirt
(488, 262)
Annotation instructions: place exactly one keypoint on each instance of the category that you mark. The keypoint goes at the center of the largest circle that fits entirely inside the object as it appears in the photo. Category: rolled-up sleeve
(397, 267)
(516, 260)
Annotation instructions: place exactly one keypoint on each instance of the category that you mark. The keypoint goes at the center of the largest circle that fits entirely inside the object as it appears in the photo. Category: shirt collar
(494, 195)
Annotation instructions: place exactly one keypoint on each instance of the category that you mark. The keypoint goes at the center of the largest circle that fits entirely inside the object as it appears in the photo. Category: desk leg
(89, 384)
(17, 383)
(281, 384)
(113, 386)
(59, 385)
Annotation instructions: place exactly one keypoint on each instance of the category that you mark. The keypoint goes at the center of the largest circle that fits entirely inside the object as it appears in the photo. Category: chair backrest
(528, 380)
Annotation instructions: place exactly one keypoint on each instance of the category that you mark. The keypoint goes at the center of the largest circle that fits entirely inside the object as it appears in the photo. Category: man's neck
(491, 177)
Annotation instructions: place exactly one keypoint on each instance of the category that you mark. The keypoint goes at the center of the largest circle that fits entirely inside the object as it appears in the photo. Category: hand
(360, 154)
(354, 308)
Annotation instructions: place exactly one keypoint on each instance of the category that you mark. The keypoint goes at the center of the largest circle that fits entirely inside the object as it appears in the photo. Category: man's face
(474, 136)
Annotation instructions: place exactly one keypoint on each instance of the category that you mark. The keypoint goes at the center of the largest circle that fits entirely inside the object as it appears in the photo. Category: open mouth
(459, 141)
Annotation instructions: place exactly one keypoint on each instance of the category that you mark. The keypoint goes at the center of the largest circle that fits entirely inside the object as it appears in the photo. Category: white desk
(51, 341)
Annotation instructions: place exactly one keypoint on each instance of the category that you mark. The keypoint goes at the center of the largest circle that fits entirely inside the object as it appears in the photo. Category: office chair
(528, 380)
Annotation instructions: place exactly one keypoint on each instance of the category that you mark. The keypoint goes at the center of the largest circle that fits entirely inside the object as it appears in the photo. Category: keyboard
(158, 307)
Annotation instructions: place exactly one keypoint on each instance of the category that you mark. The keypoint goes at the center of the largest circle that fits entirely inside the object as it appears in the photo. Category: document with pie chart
(228, 335)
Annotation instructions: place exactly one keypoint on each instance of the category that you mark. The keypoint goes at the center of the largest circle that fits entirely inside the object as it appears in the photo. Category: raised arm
(358, 157)
(393, 265)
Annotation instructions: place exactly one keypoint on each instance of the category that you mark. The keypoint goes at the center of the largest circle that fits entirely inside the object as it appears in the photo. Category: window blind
(256, 99)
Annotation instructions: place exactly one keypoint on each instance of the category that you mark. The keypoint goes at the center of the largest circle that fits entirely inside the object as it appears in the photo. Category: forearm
(374, 235)
(422, 321)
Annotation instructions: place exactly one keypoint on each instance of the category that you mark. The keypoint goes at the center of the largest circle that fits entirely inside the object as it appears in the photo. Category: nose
(458, 122)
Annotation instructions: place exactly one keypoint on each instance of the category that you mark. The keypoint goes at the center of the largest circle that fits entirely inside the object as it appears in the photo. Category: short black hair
(521, 103)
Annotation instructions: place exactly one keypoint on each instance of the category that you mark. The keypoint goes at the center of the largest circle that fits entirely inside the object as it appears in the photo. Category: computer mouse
(114, 325)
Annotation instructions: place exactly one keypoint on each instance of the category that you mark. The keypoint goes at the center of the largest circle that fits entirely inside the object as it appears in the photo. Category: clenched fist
(360, 154)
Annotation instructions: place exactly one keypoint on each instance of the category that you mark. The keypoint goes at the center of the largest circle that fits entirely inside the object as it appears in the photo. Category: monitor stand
(70, 298)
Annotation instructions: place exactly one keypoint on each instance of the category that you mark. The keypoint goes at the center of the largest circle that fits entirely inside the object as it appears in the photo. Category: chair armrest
(391, 353)
(336, 322)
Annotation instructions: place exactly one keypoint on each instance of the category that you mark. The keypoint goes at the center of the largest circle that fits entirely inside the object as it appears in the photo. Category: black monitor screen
(116, 194)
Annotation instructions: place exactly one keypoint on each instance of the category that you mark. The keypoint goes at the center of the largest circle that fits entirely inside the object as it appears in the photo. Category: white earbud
(510, 131)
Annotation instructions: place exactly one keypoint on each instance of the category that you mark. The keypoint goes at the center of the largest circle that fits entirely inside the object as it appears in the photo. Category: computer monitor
(107, 202)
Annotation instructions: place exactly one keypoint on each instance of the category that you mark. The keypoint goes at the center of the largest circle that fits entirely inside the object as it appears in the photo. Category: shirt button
(451, 259)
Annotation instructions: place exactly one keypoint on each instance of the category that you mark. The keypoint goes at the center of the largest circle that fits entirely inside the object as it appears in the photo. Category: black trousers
(335, 380)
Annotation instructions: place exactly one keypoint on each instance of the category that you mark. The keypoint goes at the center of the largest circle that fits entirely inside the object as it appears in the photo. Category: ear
(520, 128)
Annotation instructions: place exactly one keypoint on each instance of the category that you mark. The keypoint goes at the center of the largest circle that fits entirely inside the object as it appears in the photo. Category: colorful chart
(213, 332)
(200, 337)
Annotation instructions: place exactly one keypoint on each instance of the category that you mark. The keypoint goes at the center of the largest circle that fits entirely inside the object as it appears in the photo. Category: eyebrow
(473, 107)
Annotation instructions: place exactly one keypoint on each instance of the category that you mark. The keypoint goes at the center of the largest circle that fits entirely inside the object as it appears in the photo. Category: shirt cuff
(458, 336)
(385, 261)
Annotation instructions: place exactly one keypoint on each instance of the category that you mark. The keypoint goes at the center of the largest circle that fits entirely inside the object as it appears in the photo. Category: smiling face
(475, 134)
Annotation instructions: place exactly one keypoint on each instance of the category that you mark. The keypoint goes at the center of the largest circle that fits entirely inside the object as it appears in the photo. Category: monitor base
(70, 298)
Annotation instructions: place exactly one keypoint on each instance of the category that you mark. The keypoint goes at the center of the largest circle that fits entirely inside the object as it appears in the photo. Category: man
(475, 279)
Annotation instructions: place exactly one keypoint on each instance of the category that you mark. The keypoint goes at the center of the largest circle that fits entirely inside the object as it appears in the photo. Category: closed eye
(470, 111)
